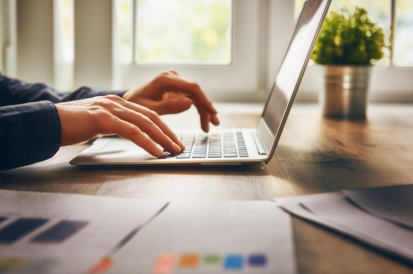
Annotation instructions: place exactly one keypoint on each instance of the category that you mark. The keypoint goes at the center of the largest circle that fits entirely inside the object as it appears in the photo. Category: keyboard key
(183, 156)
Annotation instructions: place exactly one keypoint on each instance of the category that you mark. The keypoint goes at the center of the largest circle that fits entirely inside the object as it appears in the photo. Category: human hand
(86, 119)
(169, 93)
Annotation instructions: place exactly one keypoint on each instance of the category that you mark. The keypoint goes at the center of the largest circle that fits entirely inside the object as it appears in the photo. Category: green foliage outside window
(349, 39)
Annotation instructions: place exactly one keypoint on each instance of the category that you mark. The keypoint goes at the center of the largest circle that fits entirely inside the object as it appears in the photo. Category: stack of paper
(380, 217)
(58, 233)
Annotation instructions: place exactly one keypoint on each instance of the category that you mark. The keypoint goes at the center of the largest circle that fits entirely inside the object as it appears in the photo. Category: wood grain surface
(315, 155)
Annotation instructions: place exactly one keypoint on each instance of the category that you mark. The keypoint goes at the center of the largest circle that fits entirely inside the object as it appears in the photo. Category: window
(64, 29)
(214, 42)
(8, 38)
(123, 9)
(380, 11)
(184, 32)
(403, 39)
(391, 79)
(64, 53)
(204, 29)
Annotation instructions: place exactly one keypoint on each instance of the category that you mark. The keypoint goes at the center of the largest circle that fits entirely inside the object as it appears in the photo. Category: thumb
(173, 105)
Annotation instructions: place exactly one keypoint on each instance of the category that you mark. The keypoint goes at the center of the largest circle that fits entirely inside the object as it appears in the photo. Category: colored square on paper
(257, 260)
(8, 264)
(234, 262)
(19, 228)
(189, 261)
(165, 263)
(212, 259)
(60, 232)
(39, 266)
(102, 266)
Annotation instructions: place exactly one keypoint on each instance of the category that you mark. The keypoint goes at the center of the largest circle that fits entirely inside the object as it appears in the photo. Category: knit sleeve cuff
(29, 133)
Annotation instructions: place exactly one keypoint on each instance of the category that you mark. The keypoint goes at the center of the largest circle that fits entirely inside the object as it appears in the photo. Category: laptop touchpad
(115, 150)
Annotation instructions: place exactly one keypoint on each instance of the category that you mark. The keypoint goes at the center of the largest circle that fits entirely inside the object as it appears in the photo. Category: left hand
(169, 93)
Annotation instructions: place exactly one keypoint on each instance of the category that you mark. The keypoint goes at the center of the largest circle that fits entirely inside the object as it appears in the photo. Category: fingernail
(185, 103)
(182, 146)
(178, 148)
(159, 152)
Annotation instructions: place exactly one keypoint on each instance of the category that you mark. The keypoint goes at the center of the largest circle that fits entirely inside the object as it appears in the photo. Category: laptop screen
(293, 65)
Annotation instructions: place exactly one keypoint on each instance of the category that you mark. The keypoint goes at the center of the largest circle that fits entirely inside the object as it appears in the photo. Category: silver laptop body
(230, 146)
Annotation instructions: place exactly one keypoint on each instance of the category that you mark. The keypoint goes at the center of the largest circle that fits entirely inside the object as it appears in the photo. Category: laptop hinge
(265, 135)
(258, 144)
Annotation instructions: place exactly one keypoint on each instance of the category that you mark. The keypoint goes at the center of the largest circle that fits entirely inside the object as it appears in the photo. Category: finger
(215, 120)
(173, 72)
(173, 82)
(172, 105)
(205, 118)
(154, 117)
(131, 132)
(149, 127)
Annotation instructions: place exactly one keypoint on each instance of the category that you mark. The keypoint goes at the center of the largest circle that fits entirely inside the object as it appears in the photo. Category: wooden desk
(315, 155)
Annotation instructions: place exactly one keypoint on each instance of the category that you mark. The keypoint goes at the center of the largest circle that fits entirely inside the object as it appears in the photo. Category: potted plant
(348, 45)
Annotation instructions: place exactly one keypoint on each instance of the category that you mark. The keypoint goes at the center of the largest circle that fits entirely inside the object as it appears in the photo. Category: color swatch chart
(14, 230)
(167, 263)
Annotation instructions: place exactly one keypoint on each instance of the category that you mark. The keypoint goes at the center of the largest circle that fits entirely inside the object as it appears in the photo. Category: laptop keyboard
(214, 145)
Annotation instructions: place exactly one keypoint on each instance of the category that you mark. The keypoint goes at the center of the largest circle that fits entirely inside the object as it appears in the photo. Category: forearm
(14, 91)
(29, 133)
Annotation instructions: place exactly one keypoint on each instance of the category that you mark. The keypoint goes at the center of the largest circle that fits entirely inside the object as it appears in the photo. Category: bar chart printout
(86, 234)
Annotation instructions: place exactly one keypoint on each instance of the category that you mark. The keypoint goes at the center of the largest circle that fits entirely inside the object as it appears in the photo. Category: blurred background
(233, 48)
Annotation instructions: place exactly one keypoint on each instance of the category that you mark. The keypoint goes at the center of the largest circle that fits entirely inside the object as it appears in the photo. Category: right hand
(86, 119)
(170, 93)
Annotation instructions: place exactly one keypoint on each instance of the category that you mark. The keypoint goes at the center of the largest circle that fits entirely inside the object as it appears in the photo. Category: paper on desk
(335, 212)
(393, 203)
(107, 220)
(220, 230)
(141, 236)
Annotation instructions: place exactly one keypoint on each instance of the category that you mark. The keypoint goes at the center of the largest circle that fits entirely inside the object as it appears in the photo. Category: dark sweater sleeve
(13, 91)
(29, 133)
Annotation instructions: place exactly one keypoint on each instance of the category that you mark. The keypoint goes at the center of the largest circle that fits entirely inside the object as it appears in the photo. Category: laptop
(244, 146)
